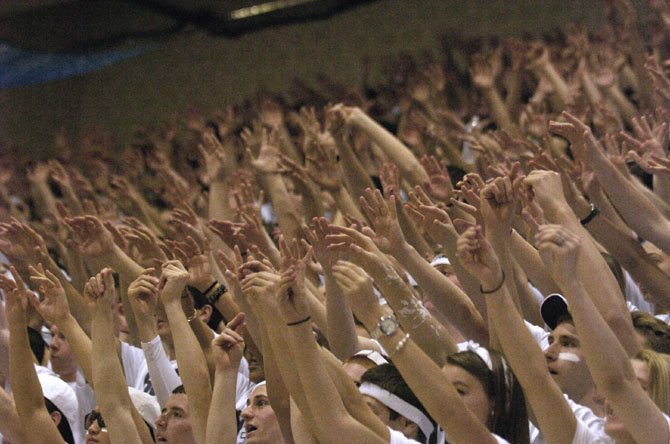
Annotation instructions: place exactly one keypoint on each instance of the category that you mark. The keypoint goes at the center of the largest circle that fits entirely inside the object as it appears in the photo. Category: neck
(66, 371)
(593, 400)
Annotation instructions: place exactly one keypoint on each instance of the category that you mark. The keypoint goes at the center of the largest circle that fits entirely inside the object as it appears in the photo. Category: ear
(56, 417)
(409, 429)
(205, 313)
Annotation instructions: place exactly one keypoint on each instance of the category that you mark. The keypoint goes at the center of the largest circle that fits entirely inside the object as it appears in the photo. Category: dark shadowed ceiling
(81, 26)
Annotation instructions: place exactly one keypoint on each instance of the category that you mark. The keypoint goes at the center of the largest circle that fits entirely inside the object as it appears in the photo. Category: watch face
(388, 325)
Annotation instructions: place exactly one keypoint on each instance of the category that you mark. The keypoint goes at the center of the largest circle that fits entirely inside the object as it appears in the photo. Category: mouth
(161, 439)
(552, 371)
(91, 441)
(250, 428)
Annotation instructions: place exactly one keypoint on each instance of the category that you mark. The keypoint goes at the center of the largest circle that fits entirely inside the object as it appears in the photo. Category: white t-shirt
(399, 438)
(540, 335)
(134, 366)
(590, 427)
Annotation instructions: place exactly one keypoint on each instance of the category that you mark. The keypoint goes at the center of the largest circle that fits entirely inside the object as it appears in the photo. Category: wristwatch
(386, 327)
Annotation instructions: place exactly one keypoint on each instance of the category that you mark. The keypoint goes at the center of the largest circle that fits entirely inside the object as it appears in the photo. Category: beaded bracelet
(399, 345)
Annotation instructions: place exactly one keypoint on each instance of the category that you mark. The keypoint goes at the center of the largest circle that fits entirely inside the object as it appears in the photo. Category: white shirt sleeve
(163, 376)
(540, 335)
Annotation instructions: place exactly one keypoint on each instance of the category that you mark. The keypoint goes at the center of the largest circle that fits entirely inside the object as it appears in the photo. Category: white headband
(479, 350)
(373, 356)
(402, 407)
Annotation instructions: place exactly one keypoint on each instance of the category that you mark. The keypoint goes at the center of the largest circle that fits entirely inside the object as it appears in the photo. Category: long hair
(659, 377)
(509, 418)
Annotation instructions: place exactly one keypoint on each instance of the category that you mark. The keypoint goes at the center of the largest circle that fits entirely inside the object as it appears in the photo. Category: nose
(93, 429)
(246, 414)
(551, 352)
(160, 421)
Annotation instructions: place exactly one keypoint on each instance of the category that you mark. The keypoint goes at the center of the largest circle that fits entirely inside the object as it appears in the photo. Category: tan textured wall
(213, 72)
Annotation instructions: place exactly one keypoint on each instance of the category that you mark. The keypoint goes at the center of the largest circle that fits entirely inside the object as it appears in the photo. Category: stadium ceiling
(91, 25)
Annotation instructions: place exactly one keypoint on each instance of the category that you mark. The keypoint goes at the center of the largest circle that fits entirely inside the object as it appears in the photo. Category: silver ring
(560, 241)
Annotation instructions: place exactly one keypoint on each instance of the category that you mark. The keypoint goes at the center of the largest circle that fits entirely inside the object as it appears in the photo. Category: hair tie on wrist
(291, 324)
(594, 212)
(209, 288)
(498, 287)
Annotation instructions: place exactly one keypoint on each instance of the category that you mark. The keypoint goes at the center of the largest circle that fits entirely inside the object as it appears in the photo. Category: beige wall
(216, 71)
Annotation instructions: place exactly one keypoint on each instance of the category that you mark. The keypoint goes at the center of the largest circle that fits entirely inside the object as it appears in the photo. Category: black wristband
(216, 295)
(594, 212)
(291, 324)
(502, 281)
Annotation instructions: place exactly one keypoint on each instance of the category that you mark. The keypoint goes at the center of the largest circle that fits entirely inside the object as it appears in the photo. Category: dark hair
(215, 318)
(509, 418)
(387, 377)
(655, 331)
(179, 389)
(617, 271)
(63, 425)
(565, 317)
(37, 344)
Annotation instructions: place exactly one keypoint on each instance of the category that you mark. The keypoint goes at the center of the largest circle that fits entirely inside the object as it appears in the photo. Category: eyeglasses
(95, 416)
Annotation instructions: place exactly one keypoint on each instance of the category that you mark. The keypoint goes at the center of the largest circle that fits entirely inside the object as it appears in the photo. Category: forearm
(10, 422)
(346, 204)
(353, 171)
(597, 278)
(221, 421)
(342, 336)
(219, 206)
(498, 110)
(402, 156)
(661, 186)
(80, 344)
(638, 212)
(411, 232)
(119, 261)
(45, 202)
(529, 365)
(287, 215)
(431, 336)
(444, 294)
(193, 368)
(560, 87)
(278, 393)
(529, 259)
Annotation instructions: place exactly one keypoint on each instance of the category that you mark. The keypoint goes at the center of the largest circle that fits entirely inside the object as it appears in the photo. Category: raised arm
(110, 386)
(606, 358)
(409, 165)
(553, 414)
(227, 349)
(190, 357)
(381, 212)
(29, 399)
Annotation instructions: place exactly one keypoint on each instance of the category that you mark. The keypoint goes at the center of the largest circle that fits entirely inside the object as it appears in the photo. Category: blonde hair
(659, 377)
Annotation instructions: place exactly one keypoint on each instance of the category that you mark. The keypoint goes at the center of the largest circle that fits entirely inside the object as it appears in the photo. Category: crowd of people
(475, 250)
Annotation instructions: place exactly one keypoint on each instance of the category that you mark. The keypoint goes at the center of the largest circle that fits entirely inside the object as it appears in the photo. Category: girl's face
(260, 422)
(471, 390)
(614, 427)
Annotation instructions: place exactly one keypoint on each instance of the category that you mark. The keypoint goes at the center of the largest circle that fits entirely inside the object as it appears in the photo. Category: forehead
(261, 390)
(177, 400)
(565, 329)
(458, 374)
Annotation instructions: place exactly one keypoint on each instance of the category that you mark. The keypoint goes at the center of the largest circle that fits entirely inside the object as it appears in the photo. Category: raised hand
(381, 212)
(268, 160)
(172, 282)
(323, 164)
(228, 347)
(559, 250)
(16, 304)
(143, 294)
(315, 236)
(498, 205)
(439, 184)
(356, 287)
(54, 308)
(93, 239)
(218, 162)
(434, 220)
(477, 256)
(99, 292)
(390, 179)
(357, 246)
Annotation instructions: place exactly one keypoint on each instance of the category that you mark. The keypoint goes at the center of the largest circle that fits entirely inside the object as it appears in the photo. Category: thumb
(237, 321)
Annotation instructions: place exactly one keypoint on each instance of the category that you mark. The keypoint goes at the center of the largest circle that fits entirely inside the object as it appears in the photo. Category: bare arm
(29, 399)
(190, 357)
(606, 358)
(110, 385)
